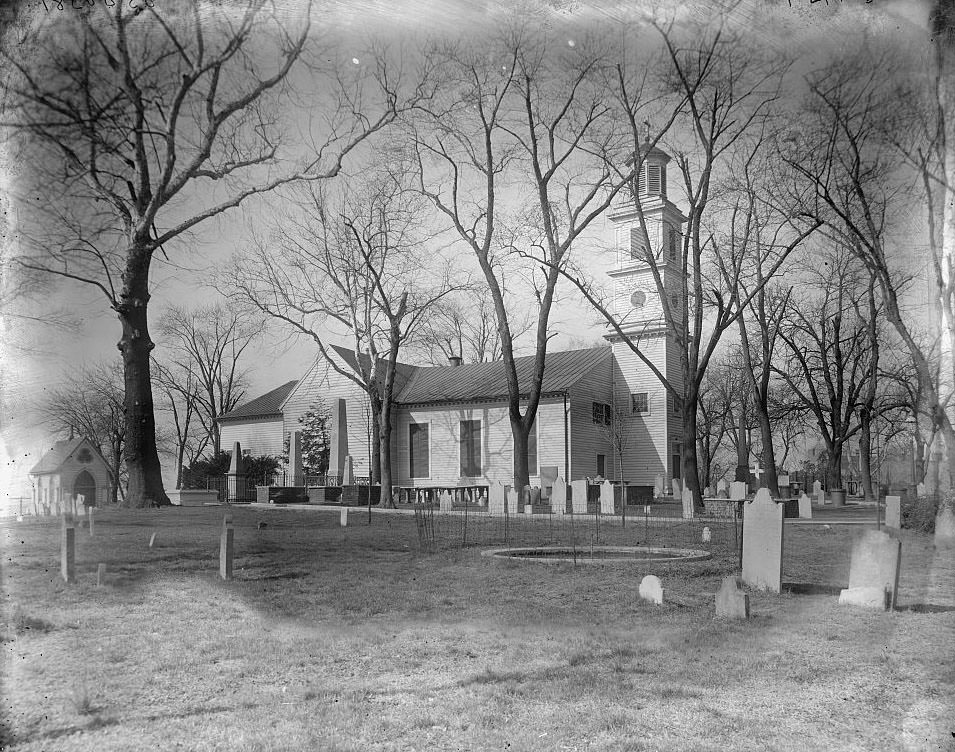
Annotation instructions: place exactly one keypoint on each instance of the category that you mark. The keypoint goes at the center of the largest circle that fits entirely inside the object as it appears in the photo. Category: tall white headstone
(677, 488)
(689, 512)
(295, 469)
(495, 499)
(558, 496)
(578, 490)
(737, 490)
(816, 487)
(444, 502)
(513, 499)
(606, 497)
(763, 542)
(893, 512)
(805, 507)
(658, 486)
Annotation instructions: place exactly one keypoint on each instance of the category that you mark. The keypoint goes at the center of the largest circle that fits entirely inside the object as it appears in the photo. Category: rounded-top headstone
(651, 589)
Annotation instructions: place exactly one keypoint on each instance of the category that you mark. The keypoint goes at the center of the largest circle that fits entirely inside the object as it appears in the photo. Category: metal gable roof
(269, 403)
(487, 381)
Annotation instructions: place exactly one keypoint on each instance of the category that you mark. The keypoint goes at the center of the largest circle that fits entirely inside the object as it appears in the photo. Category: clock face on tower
(638, 299)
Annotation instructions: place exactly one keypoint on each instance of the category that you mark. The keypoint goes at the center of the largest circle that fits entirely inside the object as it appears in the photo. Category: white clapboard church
(451, 426)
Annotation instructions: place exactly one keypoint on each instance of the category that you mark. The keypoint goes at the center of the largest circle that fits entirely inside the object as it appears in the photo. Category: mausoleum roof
(59, 453)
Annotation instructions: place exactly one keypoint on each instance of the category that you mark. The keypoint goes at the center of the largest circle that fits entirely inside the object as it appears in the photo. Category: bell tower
(648, 226)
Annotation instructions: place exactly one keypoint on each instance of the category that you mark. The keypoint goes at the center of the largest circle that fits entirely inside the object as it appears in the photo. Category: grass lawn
(335, 638)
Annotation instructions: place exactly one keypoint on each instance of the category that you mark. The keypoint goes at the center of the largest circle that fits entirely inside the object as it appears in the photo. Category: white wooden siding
(588, 439)
(497, 446)
(259, 436)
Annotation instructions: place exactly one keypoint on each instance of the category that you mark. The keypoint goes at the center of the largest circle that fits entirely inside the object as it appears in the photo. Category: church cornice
(627, 210)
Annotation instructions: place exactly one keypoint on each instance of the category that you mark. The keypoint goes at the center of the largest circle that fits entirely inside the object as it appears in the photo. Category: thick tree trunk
(770, 478)
(374, 462)
(117, 460)
(384, 451)
(521, 473)
(142, 458)
(834, 469)
(690, 470)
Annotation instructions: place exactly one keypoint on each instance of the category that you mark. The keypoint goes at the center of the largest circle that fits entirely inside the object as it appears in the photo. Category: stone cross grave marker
(737, 490)
(444, 502)
(893, 512)
(651, 589)
(805, 507)
(688, 511)
(578, 498)
(226, 548)
(68, 550)
(731, 601)
(873, 571)
(558, 496)
(757, 471)
(763, 542)
(606, 497)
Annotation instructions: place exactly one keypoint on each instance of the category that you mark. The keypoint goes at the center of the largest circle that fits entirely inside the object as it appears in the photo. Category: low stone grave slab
(867, 597)
(731, 601)
(875, 564)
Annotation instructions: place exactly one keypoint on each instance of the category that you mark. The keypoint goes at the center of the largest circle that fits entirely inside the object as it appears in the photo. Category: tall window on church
(602, 465)
(470, 448)
(419, 450)
(637, 249)
(671, 243)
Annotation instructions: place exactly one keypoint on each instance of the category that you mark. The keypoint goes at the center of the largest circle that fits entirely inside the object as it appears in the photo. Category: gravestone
(688, 511)
(651, 589)
(658, 486)
(226, 548)
(763, 542)
(708, 492)
(816, 487)
(343, 517)
(722, 487)
(495, 499)
(920, 490)
(152, 540)
(944, 526)
(821, 498)
(606, 497)
(805, 507)
(737, 490)
(558, 496)
(893, 512)
(721, 495)
(548, 474)
(68, 550)
(444, 502)
(578, 496)
(338, 450)
(295, 467)
(707, 535)
(100, 575)
(731, 601)
(875, 565)
(348, 473)
(236, 477)
(782, 480)
(677, 488)
(92, 509)
(512, 500)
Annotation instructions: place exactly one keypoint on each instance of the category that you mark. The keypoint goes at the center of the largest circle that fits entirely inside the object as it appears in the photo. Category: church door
(86, 485)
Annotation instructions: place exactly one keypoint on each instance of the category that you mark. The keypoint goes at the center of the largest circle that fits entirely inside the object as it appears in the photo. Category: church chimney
(454, 360)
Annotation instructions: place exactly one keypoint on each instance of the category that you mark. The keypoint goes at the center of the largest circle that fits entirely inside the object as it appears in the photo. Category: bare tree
(207, 345)
(181, 391)
(356, 261)
(141, 125)
(518, 115)
(91, 404)
(726, 102)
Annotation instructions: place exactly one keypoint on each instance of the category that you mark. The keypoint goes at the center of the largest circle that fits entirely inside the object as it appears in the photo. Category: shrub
(919, 514)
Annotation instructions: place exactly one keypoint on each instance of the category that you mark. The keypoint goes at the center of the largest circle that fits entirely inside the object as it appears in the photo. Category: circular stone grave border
(628, 554)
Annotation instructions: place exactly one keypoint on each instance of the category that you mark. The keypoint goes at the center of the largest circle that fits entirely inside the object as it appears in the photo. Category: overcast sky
(36, 356)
